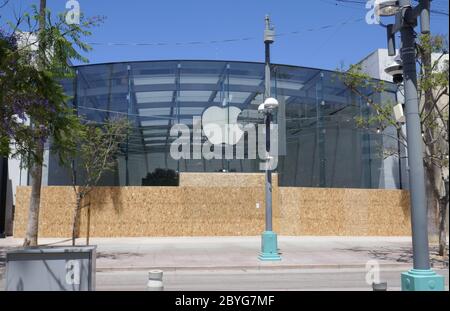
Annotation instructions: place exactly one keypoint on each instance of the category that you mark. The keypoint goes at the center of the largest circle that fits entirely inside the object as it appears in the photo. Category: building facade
(322, 152)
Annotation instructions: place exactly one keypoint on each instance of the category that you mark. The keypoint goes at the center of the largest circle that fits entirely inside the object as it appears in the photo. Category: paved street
(237, 280)
(298, 279)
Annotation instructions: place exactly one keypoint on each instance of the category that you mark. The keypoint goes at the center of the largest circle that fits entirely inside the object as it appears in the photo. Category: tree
(31, 238)
(30, 92)
(98, 146)
(27, 93)
(434, 96)
(434, 104)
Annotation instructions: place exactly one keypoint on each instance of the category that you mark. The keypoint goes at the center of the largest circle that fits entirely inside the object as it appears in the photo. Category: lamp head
(261, 108)
(271, 103)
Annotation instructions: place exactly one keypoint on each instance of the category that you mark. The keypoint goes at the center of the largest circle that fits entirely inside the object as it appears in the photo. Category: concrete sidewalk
(203, 253)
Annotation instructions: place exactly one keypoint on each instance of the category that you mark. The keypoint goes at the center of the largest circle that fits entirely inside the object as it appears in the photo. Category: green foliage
(432, 92)
(433, 75)
(29, 94)
(98, 145)
(34, 106)
(360, 83)
(355, 78)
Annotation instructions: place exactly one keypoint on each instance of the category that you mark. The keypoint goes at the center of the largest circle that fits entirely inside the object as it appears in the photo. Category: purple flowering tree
(33, 105)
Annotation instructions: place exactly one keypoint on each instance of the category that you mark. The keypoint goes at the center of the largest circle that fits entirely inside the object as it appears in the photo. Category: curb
(257, 268)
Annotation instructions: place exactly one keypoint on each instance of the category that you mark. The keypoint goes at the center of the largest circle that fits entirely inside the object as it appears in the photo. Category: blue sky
(177, 21)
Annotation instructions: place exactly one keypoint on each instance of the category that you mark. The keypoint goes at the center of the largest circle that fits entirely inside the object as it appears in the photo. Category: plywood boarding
(225, 179)
(220, 211)
(149, 211)
(345, 212)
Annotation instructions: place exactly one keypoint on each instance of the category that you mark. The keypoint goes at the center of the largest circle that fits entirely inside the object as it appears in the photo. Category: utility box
(51, 269)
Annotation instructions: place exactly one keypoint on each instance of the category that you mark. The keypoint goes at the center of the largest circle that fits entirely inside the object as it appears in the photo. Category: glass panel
(154, 97)
(194, 96)
(203, 79)
(154, 123)
(191, 110)
(151, 80)
(154, 112)
(238, 97)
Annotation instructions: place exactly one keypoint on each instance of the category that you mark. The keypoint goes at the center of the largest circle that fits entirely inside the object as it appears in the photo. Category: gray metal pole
(415, 151)
(399, 149)
(268, 120)
(268, 177)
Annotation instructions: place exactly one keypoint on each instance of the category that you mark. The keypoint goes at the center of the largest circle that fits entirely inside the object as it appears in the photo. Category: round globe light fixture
(271, 103)
(261, 108)
(386, 7)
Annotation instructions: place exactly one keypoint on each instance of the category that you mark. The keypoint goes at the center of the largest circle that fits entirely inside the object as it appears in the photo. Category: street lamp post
(269, 241)
(399, 150)
(421, 277)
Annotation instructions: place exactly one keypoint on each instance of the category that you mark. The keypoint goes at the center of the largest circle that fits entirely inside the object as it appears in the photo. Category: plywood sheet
(220, 211)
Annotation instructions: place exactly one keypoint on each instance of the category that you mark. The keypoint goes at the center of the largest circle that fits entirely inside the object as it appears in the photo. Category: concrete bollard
(379, 287)
(155, 282)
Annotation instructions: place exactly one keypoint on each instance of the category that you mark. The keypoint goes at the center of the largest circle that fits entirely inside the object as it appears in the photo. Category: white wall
(376, 62)
(17, 176)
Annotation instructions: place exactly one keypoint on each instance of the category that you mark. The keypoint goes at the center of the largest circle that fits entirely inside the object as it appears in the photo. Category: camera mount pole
(421, 277)
(269, 240)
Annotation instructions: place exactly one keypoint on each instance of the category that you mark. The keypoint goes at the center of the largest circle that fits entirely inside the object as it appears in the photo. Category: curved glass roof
(155, 95)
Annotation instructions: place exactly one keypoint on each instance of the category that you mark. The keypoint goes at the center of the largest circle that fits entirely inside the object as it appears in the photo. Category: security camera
(396, 71)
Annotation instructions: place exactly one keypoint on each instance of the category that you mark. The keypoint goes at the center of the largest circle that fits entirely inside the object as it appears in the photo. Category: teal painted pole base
(269, 247)
(422, 280)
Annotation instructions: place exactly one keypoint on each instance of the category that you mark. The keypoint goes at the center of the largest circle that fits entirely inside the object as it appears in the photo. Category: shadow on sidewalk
(118, 255)
(400, 254)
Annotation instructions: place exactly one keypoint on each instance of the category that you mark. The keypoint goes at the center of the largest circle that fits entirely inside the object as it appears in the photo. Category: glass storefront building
(320, 144)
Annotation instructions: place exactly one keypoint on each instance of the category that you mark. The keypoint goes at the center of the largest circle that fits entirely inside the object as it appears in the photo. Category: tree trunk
(437, 197)
(76, 220)
(88, 230)
(31, 238)
(443, 227)
(432, 175)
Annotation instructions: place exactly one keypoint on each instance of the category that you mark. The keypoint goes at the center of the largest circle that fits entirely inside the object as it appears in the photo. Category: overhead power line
(345, 3)
(211, 42)
(360, 4)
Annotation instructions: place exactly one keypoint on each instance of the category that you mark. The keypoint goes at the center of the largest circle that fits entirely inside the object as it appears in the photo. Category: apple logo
(220, 125)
